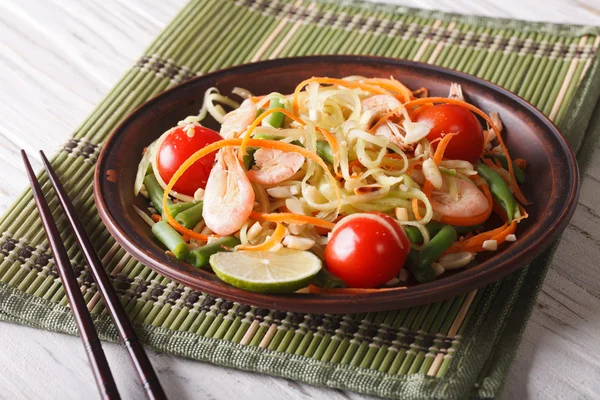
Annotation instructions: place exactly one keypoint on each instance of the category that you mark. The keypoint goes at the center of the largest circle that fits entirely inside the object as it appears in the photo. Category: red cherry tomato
(450, 118)
(177, 147)
(366, 250)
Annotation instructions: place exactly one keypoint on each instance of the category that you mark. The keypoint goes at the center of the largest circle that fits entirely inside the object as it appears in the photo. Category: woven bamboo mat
(452, 349)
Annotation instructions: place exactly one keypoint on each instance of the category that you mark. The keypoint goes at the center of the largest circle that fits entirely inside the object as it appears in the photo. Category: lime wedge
(283, 271)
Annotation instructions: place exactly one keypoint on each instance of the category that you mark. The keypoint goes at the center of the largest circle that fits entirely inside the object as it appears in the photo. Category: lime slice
(283, 271)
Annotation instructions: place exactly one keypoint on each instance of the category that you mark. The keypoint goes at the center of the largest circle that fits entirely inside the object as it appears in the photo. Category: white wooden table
(58, 58)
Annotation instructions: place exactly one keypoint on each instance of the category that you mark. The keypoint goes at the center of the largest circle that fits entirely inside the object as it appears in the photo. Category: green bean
(171, 239)
(324, 151)
(519, 173)
(155, 193)
(199, 257)
(266, 136)
(248, 159)
(326, 279)
(276, 119)
(176, 208)
(500, 190)
(190, 217)
(413, 234)
(433, 227)
(259, 112)
(432, 251)
(422, 275)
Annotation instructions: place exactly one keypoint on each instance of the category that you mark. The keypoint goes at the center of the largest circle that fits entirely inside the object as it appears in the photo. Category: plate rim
(453, 285)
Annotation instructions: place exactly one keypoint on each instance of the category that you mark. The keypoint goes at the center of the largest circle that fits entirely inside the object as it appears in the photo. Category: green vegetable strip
(155, 192)
(433, 227)
(432, 251)
(276, 119)
(324, 151)
(413, 234)
(171, 239)
(266, 136)
(519, 173)
(422, 275)
(200, 257)
(326, 279)
(249, 158)
(191, 216)
(500, 190)
(176, 208)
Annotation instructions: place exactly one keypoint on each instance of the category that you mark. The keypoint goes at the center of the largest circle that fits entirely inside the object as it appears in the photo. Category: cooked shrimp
(274, 166)
(391, 132)
(228, 197)
(237, 121)
(470, 201)
(376, 107)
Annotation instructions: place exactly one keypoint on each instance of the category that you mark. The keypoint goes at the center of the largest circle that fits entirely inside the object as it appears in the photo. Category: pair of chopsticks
(87, 331)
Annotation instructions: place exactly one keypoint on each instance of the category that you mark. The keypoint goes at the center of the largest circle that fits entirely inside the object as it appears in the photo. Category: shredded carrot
(428, 189)
(475, 243)
(420, 91)
(516, 189)
(156, 217)
(524, 214)
(292, 218)
(275, 238)
(521, 163)
(383, 119)
(335, 149)
(339, 82)
(501, 237)
(390, 160)
(254, 124)
(392, 85)
(441, 148)
(319, 290)
(271, 144)
(489, 163)
(185, 238)
(415, 207)
(415, 112)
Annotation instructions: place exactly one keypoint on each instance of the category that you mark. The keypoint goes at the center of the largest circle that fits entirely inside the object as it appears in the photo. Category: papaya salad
(346, 185)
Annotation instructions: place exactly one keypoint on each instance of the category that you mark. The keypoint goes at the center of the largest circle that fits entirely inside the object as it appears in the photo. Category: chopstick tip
(44, 158)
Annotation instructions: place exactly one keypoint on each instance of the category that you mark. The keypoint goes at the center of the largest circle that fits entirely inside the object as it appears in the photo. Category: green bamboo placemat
(452, 349)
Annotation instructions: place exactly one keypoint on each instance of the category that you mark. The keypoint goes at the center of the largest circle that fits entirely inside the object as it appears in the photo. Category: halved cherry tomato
(177, 147)
(366, 250)
(450, 118)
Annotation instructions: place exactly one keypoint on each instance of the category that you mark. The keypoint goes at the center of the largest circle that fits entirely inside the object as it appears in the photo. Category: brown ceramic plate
(552, 176)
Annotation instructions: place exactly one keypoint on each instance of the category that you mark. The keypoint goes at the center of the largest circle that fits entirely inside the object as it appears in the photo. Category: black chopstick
(87, 331)
(137, 354)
